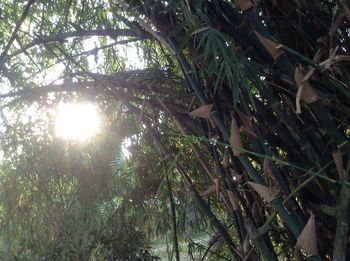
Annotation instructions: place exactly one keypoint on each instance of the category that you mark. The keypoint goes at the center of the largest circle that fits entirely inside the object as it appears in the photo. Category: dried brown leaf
(269, 177)
(265, 192)
(244, 4)
(247, 124)
(307, 240)
(233, 200)
(235, 139)
(305, 90)
(270, 46)
(212, 123)
(244, 118)
(338, 160)
(267, 168)
(297, 255)
(213, 188)
(203, 111)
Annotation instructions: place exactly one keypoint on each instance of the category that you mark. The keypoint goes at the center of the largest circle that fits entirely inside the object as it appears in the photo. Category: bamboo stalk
(204, 206)
(261, 245)
(327, 123)
(340, 251)
(173, 218)
(291, 223)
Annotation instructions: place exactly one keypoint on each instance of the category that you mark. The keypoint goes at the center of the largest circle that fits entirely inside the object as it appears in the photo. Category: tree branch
(113, 33)
(13, 36)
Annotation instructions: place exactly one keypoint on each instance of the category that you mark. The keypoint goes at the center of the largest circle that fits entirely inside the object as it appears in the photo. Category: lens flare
(77, 121)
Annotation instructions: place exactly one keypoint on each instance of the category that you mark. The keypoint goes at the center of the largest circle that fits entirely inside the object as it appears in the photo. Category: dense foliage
(236, 114)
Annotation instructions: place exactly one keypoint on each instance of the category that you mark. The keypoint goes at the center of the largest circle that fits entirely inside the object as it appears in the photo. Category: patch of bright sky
(125, 147)
(129, 52)
(127, 142)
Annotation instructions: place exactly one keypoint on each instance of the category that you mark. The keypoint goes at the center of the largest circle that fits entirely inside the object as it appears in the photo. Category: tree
(247, 99)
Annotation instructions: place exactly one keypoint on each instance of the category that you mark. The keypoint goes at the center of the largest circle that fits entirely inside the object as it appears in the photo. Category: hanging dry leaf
(235, 139)
(247, 124)
(203, 111)
(265, 192)
(233, 200)
(213, 188)
(297, 255)
(338, 160)
(305, 90)
(270, 46)
(271, 179)
(244, 4)
(212, 123)
(307, 240)
(267, 168)
(210, 190)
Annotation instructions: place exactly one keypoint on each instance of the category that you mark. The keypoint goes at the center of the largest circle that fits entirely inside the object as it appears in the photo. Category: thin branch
(39, 91)
(96, 49)
(14, 34)
(113, 33)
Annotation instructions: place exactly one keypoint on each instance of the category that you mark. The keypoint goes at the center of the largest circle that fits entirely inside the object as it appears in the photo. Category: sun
(76, 121)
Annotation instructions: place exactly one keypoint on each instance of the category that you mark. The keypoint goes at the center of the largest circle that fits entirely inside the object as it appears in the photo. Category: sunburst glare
(77, 121)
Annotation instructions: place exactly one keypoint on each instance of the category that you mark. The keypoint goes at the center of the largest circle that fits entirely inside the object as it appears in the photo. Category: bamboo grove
(256, 92)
